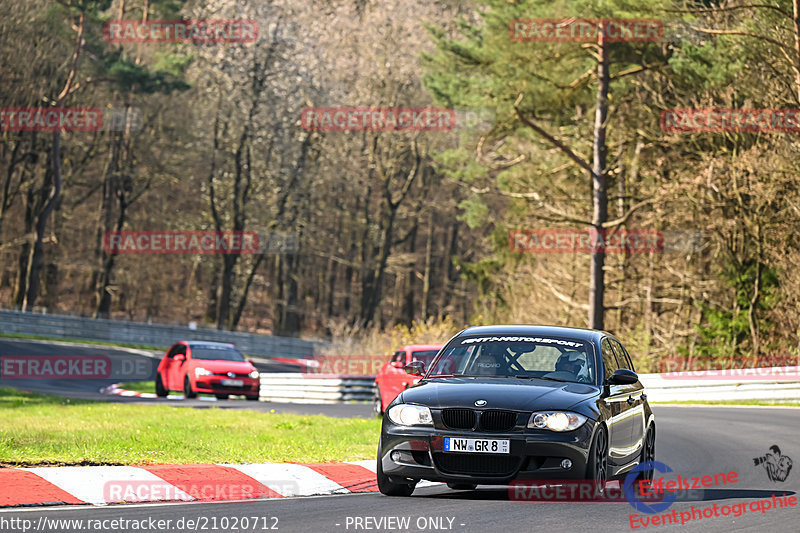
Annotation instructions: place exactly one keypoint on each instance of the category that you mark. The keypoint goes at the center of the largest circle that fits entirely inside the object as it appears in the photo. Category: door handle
(631, 401)
(643, 396)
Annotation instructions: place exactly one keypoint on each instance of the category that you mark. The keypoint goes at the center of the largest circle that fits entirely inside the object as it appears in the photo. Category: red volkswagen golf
(392, 378)
(211, 367)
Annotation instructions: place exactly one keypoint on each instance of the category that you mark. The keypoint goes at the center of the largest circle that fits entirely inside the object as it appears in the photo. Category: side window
(173, 351)
(609, 360)
(180, 349)
(399, 356)
(622, 356)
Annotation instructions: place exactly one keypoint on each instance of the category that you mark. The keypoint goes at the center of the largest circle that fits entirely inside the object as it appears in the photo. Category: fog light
(395, 456)
(566, 464)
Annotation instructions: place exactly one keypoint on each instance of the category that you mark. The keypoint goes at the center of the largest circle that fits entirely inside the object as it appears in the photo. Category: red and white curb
(114, 389)
(103, 485)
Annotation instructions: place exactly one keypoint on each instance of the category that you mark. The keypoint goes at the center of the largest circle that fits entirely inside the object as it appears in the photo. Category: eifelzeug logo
(777, 466)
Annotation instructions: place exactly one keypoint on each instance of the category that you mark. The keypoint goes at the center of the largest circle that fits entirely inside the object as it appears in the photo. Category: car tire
(221, 396)
(187, 389)
(161, 392)
(648, 454)
(377, 402)
(387, 487)
(597, 467)
(462, 486)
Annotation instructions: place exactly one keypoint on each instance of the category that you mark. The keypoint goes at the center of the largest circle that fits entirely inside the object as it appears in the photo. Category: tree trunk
(331, 288)
(213, 287)
(450, 272)
(287, 320)
(426, 277)
(373, 286)
(624, 259)
(796, 23)
(21, 285)
(226, 291)
(754, 300)
(7, 198)
(102, 277)
(237, 315)
(599, 192)
(35, 266)
(407, 310)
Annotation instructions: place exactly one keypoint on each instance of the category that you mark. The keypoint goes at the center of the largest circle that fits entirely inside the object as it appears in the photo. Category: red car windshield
(216, 353)
(426, 356)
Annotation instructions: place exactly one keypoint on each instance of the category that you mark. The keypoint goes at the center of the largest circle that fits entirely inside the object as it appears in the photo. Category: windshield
(216, 353)
(514, 356)
(426, 356)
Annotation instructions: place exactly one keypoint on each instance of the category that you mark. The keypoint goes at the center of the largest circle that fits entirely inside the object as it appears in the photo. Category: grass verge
(37, 429)
(139, 386)
(766, 403)
(82, 341)
(150, 386)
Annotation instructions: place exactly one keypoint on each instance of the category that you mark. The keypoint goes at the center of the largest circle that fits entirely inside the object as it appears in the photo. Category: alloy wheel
(601, 461)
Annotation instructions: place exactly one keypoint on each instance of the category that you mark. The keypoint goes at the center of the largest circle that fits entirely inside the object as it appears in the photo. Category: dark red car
(392, 379)
(210, 367)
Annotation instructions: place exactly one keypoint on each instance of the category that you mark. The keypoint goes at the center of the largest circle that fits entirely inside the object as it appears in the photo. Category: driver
(574, 363)
(491, 361)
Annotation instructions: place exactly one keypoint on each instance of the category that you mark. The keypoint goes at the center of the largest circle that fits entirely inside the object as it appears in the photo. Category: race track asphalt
(140, 365)
(693, 441)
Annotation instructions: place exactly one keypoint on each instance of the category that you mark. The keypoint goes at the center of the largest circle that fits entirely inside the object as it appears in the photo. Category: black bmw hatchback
(505, 403)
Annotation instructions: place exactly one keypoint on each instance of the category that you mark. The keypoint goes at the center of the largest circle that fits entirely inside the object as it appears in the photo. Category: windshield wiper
(468, 376)
(522, 376)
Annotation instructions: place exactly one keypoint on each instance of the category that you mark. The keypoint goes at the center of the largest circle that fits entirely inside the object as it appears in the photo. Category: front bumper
(213, 385)
(534, 454)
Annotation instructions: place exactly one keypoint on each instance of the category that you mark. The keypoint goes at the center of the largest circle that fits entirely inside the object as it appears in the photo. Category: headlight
(254, 374)
(556, 421)
(200, 371)
(410, 415)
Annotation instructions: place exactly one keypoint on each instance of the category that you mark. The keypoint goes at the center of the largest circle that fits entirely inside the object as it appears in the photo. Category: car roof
(207, 343)
(413, 347)
(593, 335)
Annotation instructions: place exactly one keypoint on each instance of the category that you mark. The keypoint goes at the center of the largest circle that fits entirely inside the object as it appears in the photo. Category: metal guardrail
(118, 331)
(779, 383)
(700, 386)
(320, 388)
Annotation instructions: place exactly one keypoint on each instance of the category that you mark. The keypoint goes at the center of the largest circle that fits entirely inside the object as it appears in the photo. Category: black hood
(500, 393)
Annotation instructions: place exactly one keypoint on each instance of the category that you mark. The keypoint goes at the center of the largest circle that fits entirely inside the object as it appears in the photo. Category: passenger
(574, 363)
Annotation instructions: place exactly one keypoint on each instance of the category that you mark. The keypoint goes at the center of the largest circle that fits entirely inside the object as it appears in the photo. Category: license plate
(456, 444)
(232, 382)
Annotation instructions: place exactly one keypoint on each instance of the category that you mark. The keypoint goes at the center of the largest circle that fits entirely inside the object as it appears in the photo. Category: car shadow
(729, 494)
(502, 493)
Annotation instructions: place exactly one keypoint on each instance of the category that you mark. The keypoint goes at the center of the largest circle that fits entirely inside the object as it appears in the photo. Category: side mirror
(179, 357)
(415, 368)
(623, 376)
(397, 364)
